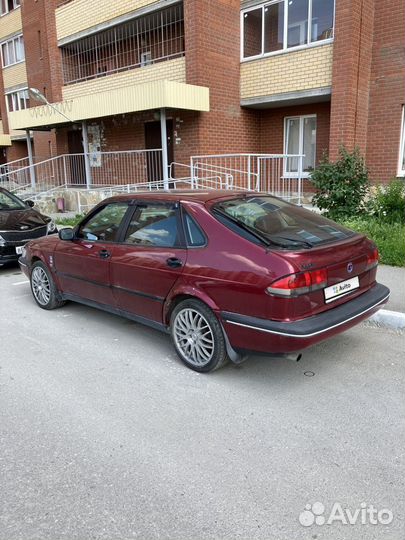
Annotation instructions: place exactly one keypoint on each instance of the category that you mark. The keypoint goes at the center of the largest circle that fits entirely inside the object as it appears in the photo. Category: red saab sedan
(224, 272)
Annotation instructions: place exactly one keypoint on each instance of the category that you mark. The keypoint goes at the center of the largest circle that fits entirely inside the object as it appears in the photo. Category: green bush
(388, 237)
(69, 222)
(388, 203)
(342, 186)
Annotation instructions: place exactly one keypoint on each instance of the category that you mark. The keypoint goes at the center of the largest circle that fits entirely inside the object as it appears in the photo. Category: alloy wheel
(194, 337)
(41, 286)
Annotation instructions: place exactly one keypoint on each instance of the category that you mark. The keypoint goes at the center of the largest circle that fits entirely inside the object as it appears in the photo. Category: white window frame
(13, 41)
(300, 173)
(401, 166)
(15, 6)
(285, 48)
(16, 97)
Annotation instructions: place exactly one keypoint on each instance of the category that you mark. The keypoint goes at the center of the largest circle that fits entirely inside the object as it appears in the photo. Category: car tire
(43, 287)
(197, 336)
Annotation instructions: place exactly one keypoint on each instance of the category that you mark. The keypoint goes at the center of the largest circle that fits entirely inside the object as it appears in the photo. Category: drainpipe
(86, 154)
(30, 158)
(165, 159)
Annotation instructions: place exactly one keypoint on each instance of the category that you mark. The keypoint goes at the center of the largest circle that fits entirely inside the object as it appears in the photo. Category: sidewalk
(394, 278)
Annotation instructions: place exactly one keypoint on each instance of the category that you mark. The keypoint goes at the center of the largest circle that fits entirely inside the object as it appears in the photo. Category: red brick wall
(44, 144)
(3, 107)
(42, 61)
(272, 127)
(17, 150)
(212, 31)
(42, 54)
(387, 90)
(352, 56)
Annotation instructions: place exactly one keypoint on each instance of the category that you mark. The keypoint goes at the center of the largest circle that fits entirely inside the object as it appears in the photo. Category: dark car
(224, 272)
(19, 223)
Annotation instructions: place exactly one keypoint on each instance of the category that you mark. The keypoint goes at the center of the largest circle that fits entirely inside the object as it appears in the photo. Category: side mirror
(67, 234)
(30, 203)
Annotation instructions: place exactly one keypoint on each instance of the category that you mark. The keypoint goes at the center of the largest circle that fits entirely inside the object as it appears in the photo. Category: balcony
(10, 23)
(76, 16)
(172, 70)
(139, 43)
(286, 52)
(15, 75)
(293, 77)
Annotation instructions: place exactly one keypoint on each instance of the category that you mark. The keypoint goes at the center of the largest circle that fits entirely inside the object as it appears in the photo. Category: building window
(300, 140)
(401, 165)
(8, 5)
(286, 24)
(18, 101)
(12, 51)
(152, 38)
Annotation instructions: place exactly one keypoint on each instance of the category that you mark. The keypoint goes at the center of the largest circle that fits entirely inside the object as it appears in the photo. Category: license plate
(341, 289)
(19, 250)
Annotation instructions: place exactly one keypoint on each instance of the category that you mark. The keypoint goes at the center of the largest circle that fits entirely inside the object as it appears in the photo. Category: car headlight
(2, 241)
(51, 227)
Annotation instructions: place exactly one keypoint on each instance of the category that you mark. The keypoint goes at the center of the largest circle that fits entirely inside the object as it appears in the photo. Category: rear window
(279, 223)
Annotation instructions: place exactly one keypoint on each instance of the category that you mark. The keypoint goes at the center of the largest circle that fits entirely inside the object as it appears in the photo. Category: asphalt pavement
(394, 278)
(104, 434)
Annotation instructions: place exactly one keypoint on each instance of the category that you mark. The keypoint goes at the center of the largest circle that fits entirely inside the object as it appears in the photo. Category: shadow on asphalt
(319, 358)
(10, 268)
(259, 370)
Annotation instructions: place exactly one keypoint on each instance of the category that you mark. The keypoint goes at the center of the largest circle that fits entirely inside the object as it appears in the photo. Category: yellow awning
(129, 99)
(5, 140)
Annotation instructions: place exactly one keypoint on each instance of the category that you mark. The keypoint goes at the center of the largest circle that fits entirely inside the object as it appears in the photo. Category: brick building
(285, 76)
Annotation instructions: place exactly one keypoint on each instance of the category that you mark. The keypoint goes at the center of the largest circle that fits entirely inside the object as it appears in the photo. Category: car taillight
(372, 259)
(297, 284)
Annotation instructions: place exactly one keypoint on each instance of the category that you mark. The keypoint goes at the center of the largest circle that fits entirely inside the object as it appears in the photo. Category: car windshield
(279, 223)
(10, 202)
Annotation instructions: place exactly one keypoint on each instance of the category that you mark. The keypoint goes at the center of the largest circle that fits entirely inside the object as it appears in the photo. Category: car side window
(104, 225)
(153, 225)
(194, 235)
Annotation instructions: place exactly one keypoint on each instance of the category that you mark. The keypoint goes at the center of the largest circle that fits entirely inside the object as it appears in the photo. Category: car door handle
(174, 262)
(104, 254)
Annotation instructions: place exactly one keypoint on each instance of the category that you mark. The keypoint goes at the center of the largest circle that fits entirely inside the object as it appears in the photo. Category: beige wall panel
(15, 75)
(170, 70)
(288, 72)
(79, 15)
(10, 24)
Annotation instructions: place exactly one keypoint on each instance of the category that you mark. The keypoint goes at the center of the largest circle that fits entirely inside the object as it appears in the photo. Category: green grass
(69, 222)
(389, 238)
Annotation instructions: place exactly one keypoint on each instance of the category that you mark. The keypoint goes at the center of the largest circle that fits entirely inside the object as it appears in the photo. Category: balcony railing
(152, 38)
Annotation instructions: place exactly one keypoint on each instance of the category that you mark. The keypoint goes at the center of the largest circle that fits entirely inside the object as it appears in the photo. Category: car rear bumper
(251, 333)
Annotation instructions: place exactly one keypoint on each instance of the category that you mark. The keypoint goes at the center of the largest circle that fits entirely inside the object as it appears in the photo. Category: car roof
(177, 195)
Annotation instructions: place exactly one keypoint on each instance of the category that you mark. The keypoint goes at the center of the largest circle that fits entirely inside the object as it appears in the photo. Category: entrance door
(153, 139)
(77, 164)
(300, 140)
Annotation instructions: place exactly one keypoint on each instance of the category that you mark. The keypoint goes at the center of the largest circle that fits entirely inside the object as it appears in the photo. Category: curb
(389, 319)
